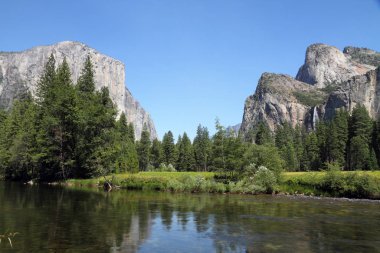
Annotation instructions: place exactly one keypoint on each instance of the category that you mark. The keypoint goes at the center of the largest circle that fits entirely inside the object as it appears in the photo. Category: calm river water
(55, 219)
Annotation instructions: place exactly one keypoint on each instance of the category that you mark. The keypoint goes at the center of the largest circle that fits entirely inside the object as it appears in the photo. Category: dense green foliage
(349, 142)
(68, 131)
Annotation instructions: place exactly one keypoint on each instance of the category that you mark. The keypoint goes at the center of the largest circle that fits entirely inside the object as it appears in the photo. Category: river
(56, 219)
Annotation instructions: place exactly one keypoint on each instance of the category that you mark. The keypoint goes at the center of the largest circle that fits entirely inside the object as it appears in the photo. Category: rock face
(20, 72)
(328, 80)
(326, 65)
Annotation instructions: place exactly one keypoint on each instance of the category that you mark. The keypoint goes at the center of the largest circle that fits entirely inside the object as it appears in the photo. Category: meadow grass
(352, 184)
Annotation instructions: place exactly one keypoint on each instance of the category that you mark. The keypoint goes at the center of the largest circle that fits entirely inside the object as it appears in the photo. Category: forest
(71, 130)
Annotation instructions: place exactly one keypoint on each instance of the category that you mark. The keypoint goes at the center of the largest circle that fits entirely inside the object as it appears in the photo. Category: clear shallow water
(54, 219)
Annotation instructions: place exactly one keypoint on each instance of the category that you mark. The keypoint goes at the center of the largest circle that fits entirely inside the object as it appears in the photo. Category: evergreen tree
(233, 153)
(311, 160)
(285, 142)
(218, 158)
(263, 135)
(125, 157)
(202, 148)
(46, 82)
(58, 123)
(144, 149)
(322, 135)
(359, 153)
(168, 148)
(185, 154)
(86, 82)
(360, 139)
(156, 153)
(336, 139)
(18, 156)
(376, 141)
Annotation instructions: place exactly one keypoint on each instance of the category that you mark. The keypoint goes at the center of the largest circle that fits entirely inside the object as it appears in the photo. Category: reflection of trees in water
(56, 219)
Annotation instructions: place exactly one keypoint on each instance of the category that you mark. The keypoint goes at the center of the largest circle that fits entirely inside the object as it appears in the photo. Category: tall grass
(351, 184)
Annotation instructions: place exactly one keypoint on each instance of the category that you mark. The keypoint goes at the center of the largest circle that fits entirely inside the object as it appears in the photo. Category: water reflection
(53, 219)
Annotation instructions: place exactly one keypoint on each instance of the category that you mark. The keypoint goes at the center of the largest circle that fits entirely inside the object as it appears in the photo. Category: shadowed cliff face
(20, 72)
(328, 80)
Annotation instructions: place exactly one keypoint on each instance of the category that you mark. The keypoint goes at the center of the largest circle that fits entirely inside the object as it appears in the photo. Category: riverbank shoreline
(350, 185)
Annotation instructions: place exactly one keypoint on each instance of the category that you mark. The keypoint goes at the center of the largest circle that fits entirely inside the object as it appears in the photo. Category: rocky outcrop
(328, 80)
(20, 72)
(328, 65)
(279, 99)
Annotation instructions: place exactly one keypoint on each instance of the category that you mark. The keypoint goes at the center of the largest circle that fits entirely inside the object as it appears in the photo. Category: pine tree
(202, 148)
(359, 153)
(360, 139)
(337, 138)
(58, 122)
(47, 80)
(168, 148)
(376, 141)
(233, 152)
(144, 149)
(311, 159)
(86, 82)
(263, 135)
(18, 156)
(185, 154)
(322, 139)
(156, 153)
(126, 156)
(218, 158)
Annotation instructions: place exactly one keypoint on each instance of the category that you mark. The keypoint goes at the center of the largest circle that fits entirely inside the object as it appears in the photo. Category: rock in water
(328, 80)
(20, 72)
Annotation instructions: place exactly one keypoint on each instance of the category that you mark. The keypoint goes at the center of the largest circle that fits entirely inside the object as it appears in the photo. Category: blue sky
(190, 61)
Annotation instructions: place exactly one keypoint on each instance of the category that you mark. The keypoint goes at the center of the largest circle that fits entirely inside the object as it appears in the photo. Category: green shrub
(264, 180)
(309, 98)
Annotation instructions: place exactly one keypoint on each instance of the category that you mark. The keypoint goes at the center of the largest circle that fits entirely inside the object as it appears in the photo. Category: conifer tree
(311, 160)
(360, 139)
(144, 149)
(126, 157)
(263, 135)
(58, 122)
(218, 158)
(168, 148)
(202, 148)
(156, 153)
(86, 82)
(185, 154)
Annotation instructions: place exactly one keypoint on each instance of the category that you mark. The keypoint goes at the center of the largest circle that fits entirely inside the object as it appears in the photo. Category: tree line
(71, 130)
(68, 131)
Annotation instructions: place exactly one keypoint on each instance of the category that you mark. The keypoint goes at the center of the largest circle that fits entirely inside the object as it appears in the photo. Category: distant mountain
(234, 129)
(20, 71)
(328, 80)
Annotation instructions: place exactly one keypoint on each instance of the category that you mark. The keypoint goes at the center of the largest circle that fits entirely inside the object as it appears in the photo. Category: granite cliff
(328, 80)
(20, 72)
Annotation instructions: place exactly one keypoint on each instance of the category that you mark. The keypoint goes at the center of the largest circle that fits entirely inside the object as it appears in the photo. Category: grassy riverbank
(350, 184)
(332, 184)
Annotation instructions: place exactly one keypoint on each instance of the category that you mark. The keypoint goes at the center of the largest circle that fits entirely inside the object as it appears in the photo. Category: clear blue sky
(190, 61)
